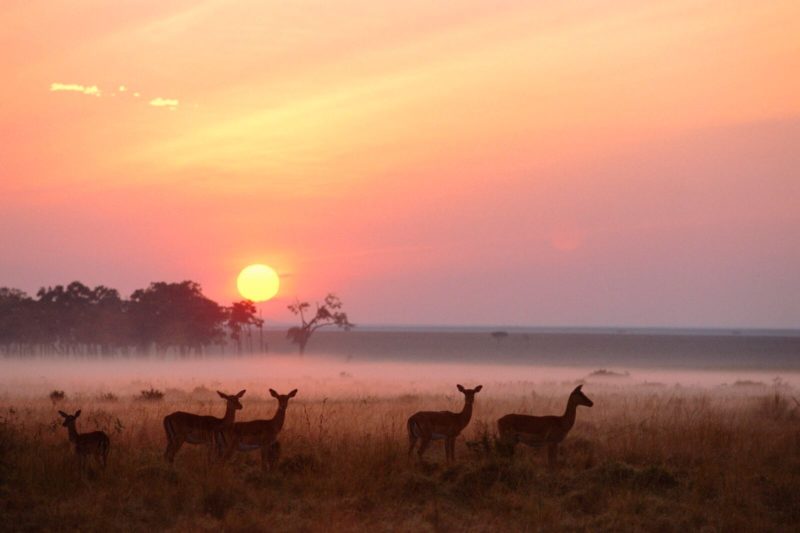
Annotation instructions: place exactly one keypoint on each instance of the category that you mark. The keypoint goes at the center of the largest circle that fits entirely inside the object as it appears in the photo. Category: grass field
(643, 458)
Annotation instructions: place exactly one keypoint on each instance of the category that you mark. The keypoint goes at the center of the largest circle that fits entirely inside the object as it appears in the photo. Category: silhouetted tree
(241, 315)
(175, 315)
(17, 328)
(328, 314)
(78, 320)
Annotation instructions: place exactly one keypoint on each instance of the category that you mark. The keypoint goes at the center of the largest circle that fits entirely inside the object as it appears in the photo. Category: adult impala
(198, 429)
(538, 431)
(441, 425)
(95, 443)
(258, 434)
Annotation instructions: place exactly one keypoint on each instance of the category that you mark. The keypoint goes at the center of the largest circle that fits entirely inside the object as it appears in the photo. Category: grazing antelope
(538, 431)
(198, 429)
(258, 434)
(95, 443)
(441, 425)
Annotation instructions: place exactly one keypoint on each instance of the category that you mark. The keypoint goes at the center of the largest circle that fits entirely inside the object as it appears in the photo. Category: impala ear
(460, 388)
(578, 388)
(273, 393)
(293, 393)
(478, 388)
(222, 395)
(241, 393)
(77, 413)
(62, 413)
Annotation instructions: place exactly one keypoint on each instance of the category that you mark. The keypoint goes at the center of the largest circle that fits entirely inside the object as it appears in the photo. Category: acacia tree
(241, 315)
(328, 314)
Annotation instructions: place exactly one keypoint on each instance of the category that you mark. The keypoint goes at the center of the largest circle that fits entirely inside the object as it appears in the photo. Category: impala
(258, 434)
(198, 429)
(95, 443)
(538, 431)
(441, 425)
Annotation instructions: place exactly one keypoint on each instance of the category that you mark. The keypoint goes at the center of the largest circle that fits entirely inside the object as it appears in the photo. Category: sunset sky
(476, 162)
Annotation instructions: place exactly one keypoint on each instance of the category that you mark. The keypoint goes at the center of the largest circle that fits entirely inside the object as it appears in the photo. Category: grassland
(644, 458)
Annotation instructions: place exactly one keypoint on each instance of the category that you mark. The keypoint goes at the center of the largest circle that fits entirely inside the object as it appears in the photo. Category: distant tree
(241, 315)
(328, 314)
(176, 315)
(17, 323)
(499, 335)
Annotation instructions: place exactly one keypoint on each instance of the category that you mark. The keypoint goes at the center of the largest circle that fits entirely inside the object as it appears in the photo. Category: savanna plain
(656, 452)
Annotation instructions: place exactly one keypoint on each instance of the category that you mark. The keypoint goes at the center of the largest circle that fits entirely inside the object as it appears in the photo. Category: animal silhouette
(441, 425)
(183, 427)
(258, 434)
(539, 431)
(95, 443)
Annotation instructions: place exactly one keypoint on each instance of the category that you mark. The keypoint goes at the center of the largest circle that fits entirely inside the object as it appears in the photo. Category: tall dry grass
(654, 459)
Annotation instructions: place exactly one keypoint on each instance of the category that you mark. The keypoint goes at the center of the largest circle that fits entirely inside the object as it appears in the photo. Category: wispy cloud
(91, 90)
(164, 102)
(121, 90)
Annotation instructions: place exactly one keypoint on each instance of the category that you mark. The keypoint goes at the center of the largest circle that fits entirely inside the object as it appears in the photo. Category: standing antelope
(538, 431)
(258, 434)
(438, 425)
(95, 443)
(198, 429)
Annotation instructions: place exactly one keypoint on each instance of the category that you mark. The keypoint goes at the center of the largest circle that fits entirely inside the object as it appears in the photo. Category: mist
(331, 376)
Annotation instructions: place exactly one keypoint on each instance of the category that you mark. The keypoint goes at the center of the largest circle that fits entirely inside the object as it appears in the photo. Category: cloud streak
(164, 102)
(91, 90)
(122, 90)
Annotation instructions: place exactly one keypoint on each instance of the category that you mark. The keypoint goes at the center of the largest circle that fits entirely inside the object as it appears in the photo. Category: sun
(258, 283)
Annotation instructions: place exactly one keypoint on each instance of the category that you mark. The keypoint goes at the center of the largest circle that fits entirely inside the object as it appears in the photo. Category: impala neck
(73, 433)
(280, 416)
(230, 414)
(569, 414)
(466, 413)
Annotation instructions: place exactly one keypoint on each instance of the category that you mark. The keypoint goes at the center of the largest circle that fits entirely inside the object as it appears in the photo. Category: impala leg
(172, 448)
(226, 447)
(273, 454)
(552, 453)
(104, 454)
(81, 464)
(212, 452)
(412, 441)
(450, 449)
(423, 445)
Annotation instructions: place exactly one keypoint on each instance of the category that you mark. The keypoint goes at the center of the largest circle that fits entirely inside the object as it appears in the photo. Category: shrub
(151, 395)
(108, 397)
(57, 396)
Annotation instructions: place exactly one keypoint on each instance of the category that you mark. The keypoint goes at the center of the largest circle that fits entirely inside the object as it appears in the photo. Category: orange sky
(503, 162)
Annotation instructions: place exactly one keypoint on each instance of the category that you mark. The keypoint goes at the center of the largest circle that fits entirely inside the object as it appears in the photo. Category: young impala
(95, 443)
(198, 429)
(538, 431)
(258, 434)
(441, 425)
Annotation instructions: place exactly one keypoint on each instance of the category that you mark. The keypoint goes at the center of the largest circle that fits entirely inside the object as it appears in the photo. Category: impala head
(232, 399)
(469, 394)
(283, 399)
(69, 419)
(580, 398)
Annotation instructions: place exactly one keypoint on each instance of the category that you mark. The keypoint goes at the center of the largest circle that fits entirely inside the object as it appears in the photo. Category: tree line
(76, 319)
(162, 318)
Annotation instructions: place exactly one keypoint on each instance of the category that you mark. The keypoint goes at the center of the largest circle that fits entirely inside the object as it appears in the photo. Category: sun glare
(258, 283)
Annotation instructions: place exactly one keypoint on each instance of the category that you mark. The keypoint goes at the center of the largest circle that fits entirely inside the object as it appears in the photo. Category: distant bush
(748, 383)
(57, 396)
(603, 373)
(108, 397)
(151, 395)
(499, 335)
